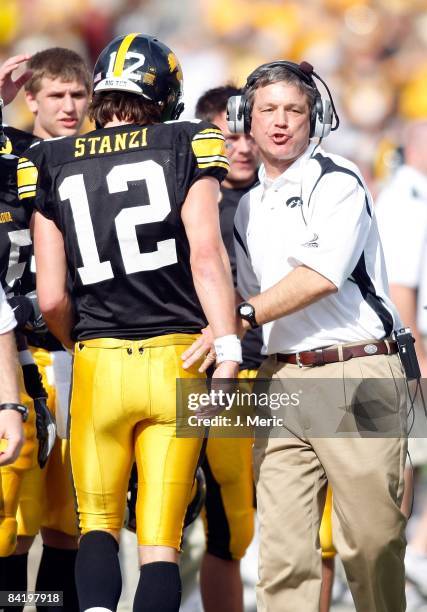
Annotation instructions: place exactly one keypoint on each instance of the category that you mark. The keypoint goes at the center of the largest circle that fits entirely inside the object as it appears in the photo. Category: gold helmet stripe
(121, 54)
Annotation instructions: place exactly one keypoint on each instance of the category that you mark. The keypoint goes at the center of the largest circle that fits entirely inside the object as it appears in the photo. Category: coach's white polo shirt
(401, 210)
(7, 318)
(317, 213)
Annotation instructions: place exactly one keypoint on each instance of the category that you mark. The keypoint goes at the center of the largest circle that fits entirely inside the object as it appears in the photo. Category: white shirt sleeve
(337, 229)
(403, 231)
(7, 318)
(247, 282)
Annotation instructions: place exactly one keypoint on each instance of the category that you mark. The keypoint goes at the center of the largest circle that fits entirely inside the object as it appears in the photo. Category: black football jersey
(15, 239)
(116, 195)
(252, 340)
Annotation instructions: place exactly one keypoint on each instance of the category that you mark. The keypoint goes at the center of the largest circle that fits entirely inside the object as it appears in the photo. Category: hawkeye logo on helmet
(130, 71)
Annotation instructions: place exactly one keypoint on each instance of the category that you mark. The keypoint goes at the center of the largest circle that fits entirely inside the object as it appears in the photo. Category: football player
(129, 213)
(229, 509)
(57, 87)
(15, 252)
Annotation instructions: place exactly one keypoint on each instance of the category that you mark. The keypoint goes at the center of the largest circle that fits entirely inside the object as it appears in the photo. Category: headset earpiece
(321, 118)
(236, 114)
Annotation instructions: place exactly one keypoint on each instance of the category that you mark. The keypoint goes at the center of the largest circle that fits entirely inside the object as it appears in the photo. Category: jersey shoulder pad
(208, 144)
(27, 175)
(27, 171)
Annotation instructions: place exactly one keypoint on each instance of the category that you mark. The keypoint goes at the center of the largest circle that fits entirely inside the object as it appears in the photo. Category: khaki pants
(366, 476)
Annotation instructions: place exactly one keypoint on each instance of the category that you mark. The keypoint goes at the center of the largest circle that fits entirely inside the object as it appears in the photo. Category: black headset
(323, 112)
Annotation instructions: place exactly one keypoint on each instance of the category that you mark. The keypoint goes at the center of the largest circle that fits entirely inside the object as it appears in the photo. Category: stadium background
(372, 53)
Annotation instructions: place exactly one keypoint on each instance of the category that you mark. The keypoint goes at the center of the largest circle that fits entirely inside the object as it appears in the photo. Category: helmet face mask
(141, 65)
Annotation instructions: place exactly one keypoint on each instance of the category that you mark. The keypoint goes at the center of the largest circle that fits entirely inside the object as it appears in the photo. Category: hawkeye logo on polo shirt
(312, 243)
(294, 201)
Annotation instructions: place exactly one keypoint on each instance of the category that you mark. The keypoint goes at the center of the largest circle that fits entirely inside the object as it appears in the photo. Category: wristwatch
(247, 312)
(23, 410)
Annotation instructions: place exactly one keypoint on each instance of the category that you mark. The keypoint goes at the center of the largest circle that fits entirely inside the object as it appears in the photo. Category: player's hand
(8, 87)
(11, 436)
(33, 381)
(27, 313)
(202, 347)
(46, 430)
(22, 309)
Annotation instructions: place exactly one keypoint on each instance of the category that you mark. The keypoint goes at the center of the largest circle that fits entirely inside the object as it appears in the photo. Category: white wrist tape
(228, 348)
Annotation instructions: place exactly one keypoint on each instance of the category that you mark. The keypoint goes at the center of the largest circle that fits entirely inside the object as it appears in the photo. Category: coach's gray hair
(276, 74)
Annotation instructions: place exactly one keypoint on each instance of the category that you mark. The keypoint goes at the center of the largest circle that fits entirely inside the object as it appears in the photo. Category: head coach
(311, 271)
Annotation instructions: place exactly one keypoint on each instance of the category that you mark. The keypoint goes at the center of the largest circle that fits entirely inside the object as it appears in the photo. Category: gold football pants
(228, 515)
(11, 478)
(325, 532)
(124, 406)
(47, 495)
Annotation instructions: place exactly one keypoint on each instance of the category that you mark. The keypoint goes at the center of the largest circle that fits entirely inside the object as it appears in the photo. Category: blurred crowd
(372, 53)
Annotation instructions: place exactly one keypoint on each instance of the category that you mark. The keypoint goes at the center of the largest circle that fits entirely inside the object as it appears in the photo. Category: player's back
(116, 195)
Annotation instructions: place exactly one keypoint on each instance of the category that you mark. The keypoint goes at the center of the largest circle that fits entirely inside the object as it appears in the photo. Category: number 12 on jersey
(94, 270)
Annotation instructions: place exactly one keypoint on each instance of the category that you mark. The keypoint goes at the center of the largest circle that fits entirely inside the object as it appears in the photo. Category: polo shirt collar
(293, 174)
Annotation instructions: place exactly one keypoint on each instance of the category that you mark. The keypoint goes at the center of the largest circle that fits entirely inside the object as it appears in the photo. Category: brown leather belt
(321, 356)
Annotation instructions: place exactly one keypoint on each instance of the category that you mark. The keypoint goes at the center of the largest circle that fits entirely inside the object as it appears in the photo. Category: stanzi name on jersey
(110, 143)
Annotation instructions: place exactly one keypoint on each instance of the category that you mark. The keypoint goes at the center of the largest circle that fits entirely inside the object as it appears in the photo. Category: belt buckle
(298, 360)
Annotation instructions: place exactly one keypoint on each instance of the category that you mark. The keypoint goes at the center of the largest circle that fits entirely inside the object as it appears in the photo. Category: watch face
(246, 310)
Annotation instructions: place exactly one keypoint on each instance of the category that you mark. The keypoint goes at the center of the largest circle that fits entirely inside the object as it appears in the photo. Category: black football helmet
(142, 65)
